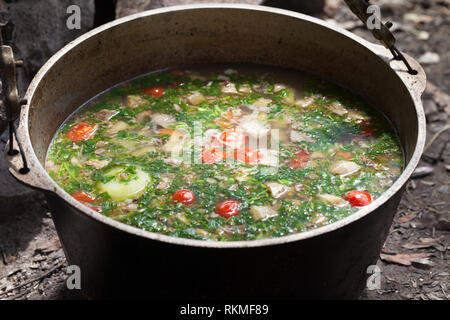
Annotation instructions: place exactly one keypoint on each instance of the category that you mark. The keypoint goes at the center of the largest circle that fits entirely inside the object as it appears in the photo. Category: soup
(225, 153)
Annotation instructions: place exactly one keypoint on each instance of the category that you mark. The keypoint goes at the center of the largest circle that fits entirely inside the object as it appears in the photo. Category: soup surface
(225, 153)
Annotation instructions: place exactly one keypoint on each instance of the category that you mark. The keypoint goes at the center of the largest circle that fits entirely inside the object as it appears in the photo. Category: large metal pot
(120, 260)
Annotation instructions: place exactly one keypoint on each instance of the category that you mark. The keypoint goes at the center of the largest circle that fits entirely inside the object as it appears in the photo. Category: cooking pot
(118, 260)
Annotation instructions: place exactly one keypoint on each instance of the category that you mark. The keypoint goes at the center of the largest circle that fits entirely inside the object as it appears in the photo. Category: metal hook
(383, 34)
(11, 99)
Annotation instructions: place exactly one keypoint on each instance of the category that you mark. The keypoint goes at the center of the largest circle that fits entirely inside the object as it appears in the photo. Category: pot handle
(35, 177)
(416, 83)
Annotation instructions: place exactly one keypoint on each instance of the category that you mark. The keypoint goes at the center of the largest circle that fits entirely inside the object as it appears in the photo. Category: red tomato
(213, 155)
(155, 92)
(83, 197)
(228, 208)
(177, 73)
(96, 208)
(247, 155)
(232, 138)
(358, 198)
(367, 129)
(301, 157)
(225, 124)
(345, 155)
(81, 131)
(185, 197)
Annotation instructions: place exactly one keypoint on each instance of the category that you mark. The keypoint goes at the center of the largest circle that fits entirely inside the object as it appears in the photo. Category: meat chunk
(278, 190)
(338, 108)
(163, 120)
(97, 164)
(143, 116)
(260, 213)
(344, 167)
(175, 143)
(118, 126)
(332, 199)
(228, 87)
(296, 136)
(105, 114)
(253, 127)
(133, 101)
(165, 180)
(269, 157)
(195, 98)
(262, 103)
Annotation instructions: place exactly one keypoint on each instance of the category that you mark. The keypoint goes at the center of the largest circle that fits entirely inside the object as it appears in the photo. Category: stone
(39, 30)
(429, 58)
(430, 107)
(127, 7)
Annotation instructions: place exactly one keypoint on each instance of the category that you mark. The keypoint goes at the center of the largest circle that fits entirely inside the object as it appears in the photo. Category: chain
(382, 34)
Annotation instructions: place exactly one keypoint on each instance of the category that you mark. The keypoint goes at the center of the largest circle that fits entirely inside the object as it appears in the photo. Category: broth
(225, 153)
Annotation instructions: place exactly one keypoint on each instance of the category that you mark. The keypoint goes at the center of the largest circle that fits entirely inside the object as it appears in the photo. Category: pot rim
(52, 186)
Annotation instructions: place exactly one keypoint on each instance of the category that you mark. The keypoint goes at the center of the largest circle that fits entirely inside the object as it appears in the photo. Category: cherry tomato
(301, 157)
(367, 130)
(96, 208)
(213, 155)
(247, 155)
(358, 198)
(345, 155)
(233, 139)
(177, 73)
(225, 124)
(228, 208)
(86, 199)
(184, 196)
(83, 197)
(164, 132)
(155, 92)
(81, 131)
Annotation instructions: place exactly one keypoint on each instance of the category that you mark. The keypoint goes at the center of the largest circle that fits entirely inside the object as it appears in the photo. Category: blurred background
(32, 264)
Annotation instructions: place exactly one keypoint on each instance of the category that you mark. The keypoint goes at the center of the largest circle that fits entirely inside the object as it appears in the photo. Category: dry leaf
(422, 263)
(48, 246)
(384, 250)
(402, 258)
(406, 218)
(423, 243)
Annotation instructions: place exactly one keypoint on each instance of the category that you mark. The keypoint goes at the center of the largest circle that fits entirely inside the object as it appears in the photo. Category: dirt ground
(414, 262)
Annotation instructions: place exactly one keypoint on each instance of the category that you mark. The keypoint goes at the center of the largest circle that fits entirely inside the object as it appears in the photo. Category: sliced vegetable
(344, 167)
(278, 190)
(260, 213)
(123, 184)
(332, 199)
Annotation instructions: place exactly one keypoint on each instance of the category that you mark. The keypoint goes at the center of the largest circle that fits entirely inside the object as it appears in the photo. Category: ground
(414, 262)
